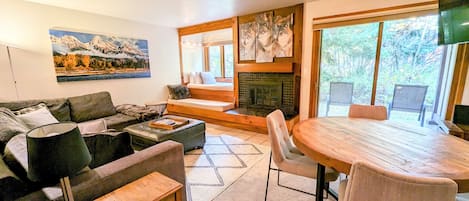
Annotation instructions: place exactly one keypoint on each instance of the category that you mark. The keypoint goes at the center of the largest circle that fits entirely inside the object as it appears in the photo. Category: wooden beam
(314, 83)
(459, 79)
(209, 26)
(266, 67)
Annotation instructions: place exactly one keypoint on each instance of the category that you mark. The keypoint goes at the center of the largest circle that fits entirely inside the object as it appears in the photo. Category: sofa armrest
(453, 129)
(166, 158)
(11, 186)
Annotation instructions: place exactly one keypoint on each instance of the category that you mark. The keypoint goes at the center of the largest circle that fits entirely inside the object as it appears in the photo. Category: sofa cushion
(107, 146)
(94, 126)
(58, 107)
(11, 186)
(178, 92)
(10, 126)
(91, 106)
(37, 118)
(120, 121)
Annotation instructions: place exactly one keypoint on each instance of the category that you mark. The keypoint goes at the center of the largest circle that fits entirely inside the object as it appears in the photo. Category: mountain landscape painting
(85, 56)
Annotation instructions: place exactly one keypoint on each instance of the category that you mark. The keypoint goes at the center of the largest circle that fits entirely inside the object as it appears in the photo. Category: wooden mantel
(286, 67)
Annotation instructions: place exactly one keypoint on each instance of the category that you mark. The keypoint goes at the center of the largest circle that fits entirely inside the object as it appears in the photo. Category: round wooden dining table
(404, 148)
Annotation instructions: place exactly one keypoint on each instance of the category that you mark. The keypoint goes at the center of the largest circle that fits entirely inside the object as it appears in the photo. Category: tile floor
(251, 186)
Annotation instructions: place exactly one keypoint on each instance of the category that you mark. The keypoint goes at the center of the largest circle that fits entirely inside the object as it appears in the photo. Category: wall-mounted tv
(453, 21)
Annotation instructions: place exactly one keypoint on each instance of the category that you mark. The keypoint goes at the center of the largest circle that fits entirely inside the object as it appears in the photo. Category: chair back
(368, 112)
(370, 183)
(408, 97)
(278, 135)
(461, 114)
(341, 93)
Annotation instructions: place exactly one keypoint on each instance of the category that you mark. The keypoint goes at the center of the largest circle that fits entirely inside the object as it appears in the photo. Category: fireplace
(260, 93)
(265, 95)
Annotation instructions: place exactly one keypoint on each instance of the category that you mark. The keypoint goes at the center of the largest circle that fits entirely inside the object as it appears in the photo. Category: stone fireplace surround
(261, 93)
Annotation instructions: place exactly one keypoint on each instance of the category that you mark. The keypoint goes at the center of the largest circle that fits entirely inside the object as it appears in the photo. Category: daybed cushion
(58, 107)
(91, 106)
(120, 121)
(203, 104)
(178, 92)
(222, 86)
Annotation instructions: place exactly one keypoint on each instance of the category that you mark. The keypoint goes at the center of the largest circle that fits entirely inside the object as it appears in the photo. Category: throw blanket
(142, 113)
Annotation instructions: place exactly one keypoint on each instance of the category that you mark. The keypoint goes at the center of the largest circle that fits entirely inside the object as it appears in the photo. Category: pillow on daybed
(178, 92)
(208, 78)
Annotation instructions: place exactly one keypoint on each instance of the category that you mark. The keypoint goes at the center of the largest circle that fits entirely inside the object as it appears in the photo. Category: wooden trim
(205, 27)
(235, 59)
(216, 95)
(315, 65)
(206, 60)
(459, 79)
(373, 19)
(377, 59)
(266, 67)
(377, 10)
(181, 61)
(222, 60)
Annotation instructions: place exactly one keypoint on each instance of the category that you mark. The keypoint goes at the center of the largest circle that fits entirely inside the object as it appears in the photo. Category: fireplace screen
(265, 95)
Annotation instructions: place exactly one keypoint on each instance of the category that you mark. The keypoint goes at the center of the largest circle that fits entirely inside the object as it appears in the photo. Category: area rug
(224, 159)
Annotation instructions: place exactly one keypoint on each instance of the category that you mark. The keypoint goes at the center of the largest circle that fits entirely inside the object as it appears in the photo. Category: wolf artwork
(247, 41)
(264, 38)
(283, 36)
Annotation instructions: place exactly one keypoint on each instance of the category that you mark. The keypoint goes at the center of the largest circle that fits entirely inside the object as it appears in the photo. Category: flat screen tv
(453, 21)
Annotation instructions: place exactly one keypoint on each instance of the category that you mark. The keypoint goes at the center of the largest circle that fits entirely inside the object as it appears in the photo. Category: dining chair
(368, 182)
(409, 98)
(287, 157)
(340, 93)
(368, 112)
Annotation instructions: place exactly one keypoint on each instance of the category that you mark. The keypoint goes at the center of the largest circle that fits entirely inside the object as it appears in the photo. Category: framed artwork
(247, 41)
(283, 36)
(86, 56)
(264, 41)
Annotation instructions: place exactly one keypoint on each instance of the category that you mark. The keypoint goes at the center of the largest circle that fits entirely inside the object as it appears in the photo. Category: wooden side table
(154, 186)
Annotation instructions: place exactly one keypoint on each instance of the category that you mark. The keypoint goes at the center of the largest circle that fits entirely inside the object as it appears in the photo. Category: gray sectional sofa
(114, 162)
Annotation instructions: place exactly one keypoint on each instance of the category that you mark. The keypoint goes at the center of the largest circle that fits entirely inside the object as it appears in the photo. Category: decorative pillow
(208, 78)
(30, 109)
(10, 126)
(95, 126)
(178, 92)
(36, 118)
(197, 78)
(192, 77)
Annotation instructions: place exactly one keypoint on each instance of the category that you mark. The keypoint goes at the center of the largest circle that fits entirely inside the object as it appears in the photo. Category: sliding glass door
(392, 63)
(347, 67)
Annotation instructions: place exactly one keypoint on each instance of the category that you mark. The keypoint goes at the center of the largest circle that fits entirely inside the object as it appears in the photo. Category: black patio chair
(409, 98)
(340, 93)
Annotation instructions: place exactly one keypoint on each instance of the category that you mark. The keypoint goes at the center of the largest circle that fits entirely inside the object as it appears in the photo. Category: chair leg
(268, 175)
(327, 109)
(422, 121)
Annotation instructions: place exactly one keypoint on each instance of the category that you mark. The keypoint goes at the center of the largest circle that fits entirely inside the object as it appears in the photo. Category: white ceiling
(172, 13)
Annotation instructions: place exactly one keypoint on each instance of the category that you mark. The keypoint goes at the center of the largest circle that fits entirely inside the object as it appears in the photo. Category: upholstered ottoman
(191, 135)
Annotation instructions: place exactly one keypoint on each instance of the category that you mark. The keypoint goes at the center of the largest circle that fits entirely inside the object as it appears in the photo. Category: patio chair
(340, 93)
(287, 157)
(368, 182)
(409, 98)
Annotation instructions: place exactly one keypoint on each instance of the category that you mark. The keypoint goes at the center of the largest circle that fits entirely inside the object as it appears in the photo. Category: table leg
(320, 182)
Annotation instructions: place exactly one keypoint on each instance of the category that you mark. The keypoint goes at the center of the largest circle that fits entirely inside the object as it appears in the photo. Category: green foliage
(409, 55)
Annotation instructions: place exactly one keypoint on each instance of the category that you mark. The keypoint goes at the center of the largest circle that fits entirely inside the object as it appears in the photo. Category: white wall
(7, 87)
(26, 26)
(323, 8)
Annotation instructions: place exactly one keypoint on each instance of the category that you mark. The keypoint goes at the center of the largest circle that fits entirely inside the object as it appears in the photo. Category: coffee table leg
(320, 182)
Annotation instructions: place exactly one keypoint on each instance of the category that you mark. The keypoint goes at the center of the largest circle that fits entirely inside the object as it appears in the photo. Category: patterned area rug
(222, 161)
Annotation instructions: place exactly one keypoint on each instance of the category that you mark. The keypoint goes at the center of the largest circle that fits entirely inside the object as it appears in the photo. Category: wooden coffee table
(154, 186)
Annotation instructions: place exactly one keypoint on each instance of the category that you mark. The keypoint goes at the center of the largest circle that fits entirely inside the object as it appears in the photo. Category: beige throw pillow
(95, 126)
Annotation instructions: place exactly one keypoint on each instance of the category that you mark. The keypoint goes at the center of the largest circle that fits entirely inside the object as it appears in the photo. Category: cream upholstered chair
(368, 112)
(369, 183)
(286, 156)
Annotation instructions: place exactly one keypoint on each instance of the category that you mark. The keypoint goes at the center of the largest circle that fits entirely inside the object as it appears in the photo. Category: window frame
(221, 46)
